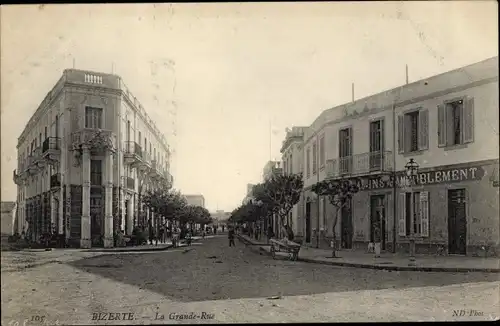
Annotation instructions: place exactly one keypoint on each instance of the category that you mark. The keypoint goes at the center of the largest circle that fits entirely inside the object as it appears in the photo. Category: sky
(223, 81)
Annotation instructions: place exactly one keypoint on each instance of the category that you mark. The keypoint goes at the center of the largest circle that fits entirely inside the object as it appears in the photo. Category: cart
(289, 247)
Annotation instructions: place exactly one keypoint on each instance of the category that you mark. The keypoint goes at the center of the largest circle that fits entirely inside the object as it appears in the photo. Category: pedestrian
(150, 231)
(376, 239)
(230, 236)
(215, 229)
(222, 228)
(270, 233)
(162, 234)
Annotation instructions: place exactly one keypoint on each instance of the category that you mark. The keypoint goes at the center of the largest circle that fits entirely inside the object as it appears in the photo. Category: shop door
(457, 222)
(377, 217)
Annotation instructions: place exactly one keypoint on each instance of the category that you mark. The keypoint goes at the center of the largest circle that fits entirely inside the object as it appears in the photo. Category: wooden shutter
(424, 213)
(401, 134)
(468, 120)
(402, 214)
(441, 125)
(423, 135)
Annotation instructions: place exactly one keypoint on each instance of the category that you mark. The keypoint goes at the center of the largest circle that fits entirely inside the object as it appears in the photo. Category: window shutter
(468, 119)
(424, 213)
(423, 136)
(441, 126)
(401, 134)
(402, 214)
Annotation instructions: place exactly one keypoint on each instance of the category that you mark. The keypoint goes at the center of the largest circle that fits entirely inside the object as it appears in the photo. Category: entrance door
(346, 224)
(308, 222)
(457, 222)
(96, 219)
(126, 216)
(377, 217)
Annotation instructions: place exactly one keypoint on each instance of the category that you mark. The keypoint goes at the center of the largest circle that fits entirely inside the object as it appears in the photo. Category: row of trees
(279, 194)
(171, 205)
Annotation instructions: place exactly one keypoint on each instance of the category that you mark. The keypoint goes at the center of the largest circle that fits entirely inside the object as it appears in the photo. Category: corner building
(448, 124)
(85, 157)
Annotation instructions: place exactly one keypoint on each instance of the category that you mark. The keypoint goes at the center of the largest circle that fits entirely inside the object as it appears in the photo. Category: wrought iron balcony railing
(365, 163)
(51, 144)
(132, 148)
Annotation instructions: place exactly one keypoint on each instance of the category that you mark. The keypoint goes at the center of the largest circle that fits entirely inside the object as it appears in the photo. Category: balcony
(98, 140)
(360, 164)
(156, 170)
(133, 153)
(17, 177)
(55, 181)
(130, 183)
(51, 148)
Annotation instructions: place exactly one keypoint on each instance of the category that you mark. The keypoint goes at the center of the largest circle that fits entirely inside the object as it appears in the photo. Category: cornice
(399, 104)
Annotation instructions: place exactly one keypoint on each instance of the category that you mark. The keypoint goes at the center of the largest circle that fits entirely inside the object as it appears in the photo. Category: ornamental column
(108, 204)
(85, 222)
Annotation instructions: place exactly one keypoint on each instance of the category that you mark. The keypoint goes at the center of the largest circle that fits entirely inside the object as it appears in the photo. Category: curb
(129, 250)
(389, 268)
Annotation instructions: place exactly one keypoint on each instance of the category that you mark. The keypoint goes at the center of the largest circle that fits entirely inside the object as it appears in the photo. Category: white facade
(78, 167)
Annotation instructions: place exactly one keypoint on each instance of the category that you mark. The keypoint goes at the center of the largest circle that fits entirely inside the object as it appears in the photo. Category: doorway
(457, 222)
(377, 218)
(346, 225)
(96, 219)
(127, 222)
(308, 222)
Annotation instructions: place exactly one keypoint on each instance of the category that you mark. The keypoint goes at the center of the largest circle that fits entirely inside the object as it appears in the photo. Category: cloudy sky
(214, 76)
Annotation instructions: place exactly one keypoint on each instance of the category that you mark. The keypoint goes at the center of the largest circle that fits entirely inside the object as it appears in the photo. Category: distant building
(271, 168)
(197, 200)
(220, 215)
(9, 225)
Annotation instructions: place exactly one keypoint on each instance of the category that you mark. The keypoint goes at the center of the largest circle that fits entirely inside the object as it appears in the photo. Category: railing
(131, 147)
(51, 143)
(86, 135)
(130, 183)
(364, 163)
(55, 180)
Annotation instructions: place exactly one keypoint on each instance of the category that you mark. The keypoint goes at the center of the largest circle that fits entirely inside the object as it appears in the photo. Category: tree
(339, 193)
(279, 194)
(167, 203)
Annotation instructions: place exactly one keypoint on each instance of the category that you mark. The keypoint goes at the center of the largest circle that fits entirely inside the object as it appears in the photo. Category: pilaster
(130, 212)
(108, 205)
(85, 239)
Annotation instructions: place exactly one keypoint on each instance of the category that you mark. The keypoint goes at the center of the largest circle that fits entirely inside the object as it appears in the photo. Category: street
(210, 282)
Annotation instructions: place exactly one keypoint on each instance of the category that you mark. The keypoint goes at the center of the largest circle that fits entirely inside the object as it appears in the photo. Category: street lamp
(412, 172)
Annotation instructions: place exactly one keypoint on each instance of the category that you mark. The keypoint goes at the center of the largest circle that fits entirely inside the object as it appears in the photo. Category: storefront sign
(424, 178)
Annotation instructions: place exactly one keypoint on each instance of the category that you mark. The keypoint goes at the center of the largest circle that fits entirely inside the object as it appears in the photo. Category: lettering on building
(424, 178)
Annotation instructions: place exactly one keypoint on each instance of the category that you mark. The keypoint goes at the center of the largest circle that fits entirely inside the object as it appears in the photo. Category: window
(456, 122)
(322, 151)
(46, 135)
(414, 214)
(308, 162)
(96, 172)
(314, 158)
(290, 168)
(57, 126)
(413, 131)
(139, 139)
(345, 150)
(93, 118)
(376, 144)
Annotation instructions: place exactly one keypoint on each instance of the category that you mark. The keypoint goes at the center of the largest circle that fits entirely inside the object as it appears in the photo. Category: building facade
(84, 159)
(448, 125)
(249, 195)
(292, 160)
(196, 200)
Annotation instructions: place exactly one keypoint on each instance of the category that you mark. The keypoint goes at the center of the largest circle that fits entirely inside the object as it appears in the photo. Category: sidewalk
(390, 261)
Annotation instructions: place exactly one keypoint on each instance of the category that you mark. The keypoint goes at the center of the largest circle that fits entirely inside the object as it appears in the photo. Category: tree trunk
(334, 234)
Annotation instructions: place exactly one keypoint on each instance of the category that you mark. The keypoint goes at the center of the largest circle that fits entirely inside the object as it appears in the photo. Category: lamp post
(412, 172)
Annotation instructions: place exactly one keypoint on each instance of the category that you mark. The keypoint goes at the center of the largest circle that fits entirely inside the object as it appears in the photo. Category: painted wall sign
(424, 178)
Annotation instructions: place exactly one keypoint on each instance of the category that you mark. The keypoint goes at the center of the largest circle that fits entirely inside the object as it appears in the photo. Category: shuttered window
(308, 162)
(93, 117)
(413, 131)
(414, 214)
(456, 122)
(314, 158)
(322, 151)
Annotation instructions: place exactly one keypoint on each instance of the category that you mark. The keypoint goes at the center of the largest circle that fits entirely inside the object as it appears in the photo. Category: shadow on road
(214, 271)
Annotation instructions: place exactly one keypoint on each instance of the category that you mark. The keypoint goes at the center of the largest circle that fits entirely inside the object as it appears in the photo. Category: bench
(289, 247)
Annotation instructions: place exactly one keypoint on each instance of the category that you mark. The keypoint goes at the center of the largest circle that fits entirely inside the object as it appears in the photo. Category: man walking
(230, 235)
